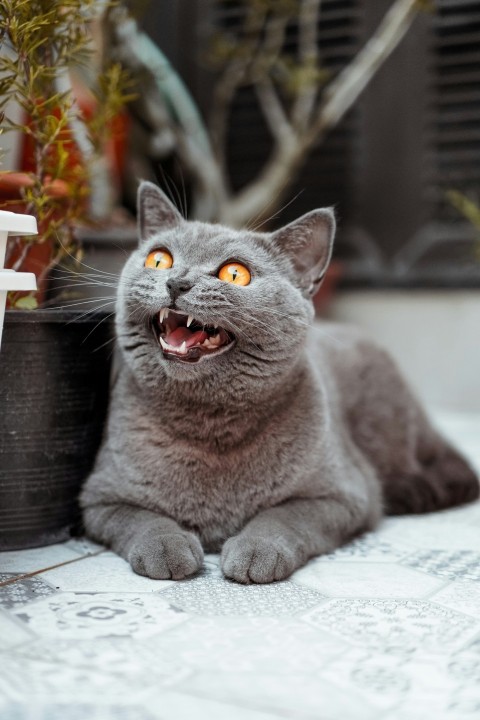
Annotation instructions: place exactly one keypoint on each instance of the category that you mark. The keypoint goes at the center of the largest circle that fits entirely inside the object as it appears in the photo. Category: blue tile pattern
(23, 591)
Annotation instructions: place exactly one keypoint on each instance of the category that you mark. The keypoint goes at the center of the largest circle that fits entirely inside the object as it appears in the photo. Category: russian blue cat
(236, 425)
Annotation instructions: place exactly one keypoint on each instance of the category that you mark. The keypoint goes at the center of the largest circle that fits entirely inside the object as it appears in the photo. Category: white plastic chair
(13, 224)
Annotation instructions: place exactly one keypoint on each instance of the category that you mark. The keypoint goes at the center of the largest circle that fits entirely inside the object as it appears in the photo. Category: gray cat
(235, 425)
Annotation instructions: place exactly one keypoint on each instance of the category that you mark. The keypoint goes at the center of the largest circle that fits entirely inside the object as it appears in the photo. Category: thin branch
(308, 31)
(223, 95)
(265, 41)
(308, 20)
(343, 92)
(269, 51)
(273, 111)
(168, 108)
(232, 78)
(136, 52)
(17, 265)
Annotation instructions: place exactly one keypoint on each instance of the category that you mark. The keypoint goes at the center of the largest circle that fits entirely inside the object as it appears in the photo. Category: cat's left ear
(155, 212)
(308, 242)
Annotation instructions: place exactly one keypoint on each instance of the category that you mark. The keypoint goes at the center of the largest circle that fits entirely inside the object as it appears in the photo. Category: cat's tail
(443, 479)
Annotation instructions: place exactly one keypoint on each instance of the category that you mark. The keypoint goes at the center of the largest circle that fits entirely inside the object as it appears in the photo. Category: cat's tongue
(183, 334)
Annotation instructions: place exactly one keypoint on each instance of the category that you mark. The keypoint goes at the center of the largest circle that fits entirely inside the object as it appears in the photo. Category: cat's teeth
(164, 314)
(189, 320)
(212, 343)
(166, 346)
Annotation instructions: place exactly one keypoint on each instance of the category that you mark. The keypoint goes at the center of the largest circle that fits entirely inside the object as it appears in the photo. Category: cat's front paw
(257, 559)
(164, 556)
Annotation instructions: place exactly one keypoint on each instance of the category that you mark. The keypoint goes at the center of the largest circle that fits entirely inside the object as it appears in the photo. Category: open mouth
(184, 338)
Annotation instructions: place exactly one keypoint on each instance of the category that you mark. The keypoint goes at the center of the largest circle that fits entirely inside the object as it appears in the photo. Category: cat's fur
(286, 446)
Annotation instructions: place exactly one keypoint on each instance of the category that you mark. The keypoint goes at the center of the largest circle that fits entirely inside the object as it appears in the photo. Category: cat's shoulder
(345, 343)
(332, 334)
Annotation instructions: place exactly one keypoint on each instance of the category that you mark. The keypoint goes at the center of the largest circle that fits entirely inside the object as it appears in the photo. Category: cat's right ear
(308, 242)
(155, 212)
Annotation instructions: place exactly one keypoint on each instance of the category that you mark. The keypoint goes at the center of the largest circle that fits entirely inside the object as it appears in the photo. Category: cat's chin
(184, 339)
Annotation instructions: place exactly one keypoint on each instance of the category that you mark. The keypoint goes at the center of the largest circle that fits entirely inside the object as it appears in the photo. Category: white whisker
(107, 317)
(258, 220)
(75, 303)
(89, 312)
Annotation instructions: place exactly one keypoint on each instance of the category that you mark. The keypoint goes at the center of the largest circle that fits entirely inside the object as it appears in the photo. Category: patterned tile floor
(387, 627)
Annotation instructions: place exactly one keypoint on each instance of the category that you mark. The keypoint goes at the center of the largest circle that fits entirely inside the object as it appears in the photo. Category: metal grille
(445, 249)
(456, 98)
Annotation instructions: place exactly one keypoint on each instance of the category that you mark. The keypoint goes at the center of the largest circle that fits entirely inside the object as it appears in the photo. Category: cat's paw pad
(166, 556)
(257, 559)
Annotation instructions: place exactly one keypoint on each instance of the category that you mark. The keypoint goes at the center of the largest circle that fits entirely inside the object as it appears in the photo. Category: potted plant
(54, 363)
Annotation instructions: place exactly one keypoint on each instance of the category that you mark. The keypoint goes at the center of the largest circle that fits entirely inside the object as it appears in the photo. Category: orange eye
(159, 260)
(235, 273)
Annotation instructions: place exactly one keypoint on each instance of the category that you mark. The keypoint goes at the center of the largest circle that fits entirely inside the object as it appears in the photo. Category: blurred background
(252, 112)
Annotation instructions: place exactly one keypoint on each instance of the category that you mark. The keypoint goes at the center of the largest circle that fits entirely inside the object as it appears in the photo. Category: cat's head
(197, 299)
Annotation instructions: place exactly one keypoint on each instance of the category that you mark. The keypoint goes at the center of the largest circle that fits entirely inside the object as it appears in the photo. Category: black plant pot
(54, 380)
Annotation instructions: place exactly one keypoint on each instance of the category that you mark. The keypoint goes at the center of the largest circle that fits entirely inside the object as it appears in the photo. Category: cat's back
(341, 349)
(362, 372)
(326, 336)
(375, 402)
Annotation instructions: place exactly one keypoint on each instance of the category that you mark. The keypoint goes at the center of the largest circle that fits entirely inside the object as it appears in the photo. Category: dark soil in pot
(54, 380)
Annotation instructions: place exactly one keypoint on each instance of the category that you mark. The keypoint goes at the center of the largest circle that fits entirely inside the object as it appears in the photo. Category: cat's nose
(177, 286)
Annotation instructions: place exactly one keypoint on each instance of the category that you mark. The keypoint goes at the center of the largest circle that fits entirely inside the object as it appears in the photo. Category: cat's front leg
(154, 545)
(281, 539)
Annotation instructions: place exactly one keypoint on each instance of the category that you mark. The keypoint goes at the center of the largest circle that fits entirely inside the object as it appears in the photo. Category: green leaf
(467, 207)
(27, 303)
